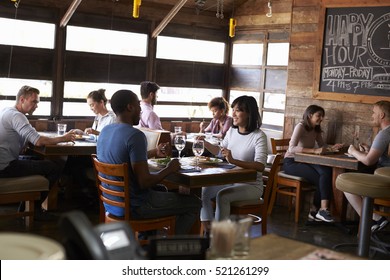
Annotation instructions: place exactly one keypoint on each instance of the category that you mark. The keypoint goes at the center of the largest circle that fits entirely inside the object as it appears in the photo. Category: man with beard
(149, 118)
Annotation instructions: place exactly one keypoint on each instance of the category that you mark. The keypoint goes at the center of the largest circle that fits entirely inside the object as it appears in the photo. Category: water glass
(243, 225)
(180, 143)
(61, 129)
(197, 149)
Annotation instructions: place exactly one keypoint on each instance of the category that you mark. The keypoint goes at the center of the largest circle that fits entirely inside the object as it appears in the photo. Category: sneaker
(378, 225)
(324, 215)
(312, 216)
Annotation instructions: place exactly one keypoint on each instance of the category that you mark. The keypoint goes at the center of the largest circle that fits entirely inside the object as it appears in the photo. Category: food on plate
(210, 160)
(163, 161)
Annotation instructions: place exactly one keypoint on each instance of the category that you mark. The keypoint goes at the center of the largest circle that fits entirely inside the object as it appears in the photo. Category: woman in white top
(97, 101)
(245, 145)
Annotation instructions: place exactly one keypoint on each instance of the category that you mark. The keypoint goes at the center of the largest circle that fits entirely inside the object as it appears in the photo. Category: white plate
(19, 246)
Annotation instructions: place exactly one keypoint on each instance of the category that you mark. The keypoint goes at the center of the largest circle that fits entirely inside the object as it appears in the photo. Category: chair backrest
(271, 179)
(280, 146)
(115, 175)
(152, 137)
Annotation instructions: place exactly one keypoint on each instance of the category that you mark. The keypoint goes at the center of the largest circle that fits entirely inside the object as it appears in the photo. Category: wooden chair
(25, 189)
(121, 170)
(292, 186)
(259, 207)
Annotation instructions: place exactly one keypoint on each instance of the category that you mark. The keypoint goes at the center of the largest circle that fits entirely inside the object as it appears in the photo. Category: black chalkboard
(356, 51)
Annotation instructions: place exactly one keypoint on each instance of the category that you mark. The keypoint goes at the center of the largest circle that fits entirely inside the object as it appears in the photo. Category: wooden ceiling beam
(168, 18)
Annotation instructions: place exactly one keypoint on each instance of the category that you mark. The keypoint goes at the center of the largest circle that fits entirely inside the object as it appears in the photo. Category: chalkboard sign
(356, 51)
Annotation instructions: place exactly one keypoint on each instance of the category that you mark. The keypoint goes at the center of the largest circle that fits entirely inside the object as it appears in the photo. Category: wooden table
(339, 163)
(80, 147)
(210, 175)
(274, 247)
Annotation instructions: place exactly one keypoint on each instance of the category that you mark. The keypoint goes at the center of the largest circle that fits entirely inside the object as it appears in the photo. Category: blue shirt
(120, 143)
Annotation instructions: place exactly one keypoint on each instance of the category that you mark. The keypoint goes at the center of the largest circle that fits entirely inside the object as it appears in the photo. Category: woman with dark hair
(97, 101)
(221, 122)
(307, 138)
(245, 145)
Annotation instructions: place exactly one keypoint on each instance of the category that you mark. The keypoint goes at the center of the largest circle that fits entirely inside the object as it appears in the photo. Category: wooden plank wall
(342, 119)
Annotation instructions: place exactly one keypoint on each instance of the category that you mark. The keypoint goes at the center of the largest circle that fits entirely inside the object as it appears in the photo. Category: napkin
(226, 165)
(189, 170)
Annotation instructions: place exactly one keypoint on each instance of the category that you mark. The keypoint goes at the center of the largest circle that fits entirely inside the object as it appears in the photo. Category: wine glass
(198, 149)
(180, 143)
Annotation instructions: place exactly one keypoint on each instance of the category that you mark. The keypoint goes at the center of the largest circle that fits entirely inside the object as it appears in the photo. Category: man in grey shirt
(378, 154)
(16, 132)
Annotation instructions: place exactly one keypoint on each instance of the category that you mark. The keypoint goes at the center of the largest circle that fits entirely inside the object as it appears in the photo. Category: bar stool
(369, 187)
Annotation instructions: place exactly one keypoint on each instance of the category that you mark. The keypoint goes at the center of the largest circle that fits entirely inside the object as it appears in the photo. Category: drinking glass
(180, 143)
(198, 149)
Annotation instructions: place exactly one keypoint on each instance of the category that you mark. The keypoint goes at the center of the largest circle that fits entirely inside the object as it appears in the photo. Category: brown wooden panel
(99, 67)
(245, 78)
(187, 74)
(29, 63)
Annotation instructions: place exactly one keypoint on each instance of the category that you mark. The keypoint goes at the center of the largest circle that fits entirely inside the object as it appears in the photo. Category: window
(184, 102)
(190, 49)
(80, 90)
(260, 70)
(31, 34)
(106, 41)
(247, 54)
(10, 87)
(26, 33)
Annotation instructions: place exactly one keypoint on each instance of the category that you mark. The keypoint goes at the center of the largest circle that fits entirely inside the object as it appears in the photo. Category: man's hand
(174, 165)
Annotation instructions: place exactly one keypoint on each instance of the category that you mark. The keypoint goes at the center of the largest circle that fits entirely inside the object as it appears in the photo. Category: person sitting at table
(307, 138)
(16, 132)
(149, 118)
(221, 122)
(121, 142)
(97, 101)
(377, 155)
(245, 145)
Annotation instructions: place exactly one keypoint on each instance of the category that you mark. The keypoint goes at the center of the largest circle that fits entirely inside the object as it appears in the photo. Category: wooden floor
(281, 222)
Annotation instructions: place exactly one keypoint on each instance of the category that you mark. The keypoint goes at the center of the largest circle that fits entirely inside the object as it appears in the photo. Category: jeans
(160, 204)
(317, 175)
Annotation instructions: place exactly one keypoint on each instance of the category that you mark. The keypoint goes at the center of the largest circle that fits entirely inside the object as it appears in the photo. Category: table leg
(339, 208)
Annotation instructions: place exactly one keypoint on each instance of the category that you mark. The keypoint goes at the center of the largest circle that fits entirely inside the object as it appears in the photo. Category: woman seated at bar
(221, 122)
(97, 101)
(245, 145)
(307, 138)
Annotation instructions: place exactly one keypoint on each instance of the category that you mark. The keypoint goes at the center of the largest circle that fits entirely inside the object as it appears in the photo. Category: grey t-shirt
(381, 142)
(15, 132)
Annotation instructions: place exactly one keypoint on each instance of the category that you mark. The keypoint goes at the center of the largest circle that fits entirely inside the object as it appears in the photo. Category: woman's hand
(336, 147)
(320, 151)
(227, 154)
(162, 149)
